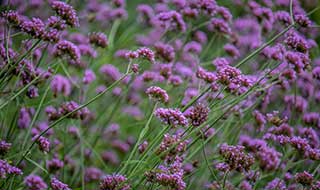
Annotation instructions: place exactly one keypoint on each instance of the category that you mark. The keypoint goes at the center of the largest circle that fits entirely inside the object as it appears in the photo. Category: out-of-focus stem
(141, 136)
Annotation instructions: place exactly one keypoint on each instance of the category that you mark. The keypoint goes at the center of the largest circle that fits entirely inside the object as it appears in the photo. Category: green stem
(113, 32)
(72, 112)
(141, 136)
(254, 53)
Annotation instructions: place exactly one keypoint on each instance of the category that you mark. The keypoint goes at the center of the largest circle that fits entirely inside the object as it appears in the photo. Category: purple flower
(7, 169)
(118, 13)
(110, 157)
(52, 35)
(200, 37)
(296, 102)
(142, 52)
(3, 52)
(165, 51)
(66, 12)
(34, 27)
(92, 174)
(133, 111)
(61, 84)
(219, 25)
(44, 143)
(34, 182)
(276, 184)
(224, 13)
(236, 158)
(171, 117)
(86, 49)
(119, 3)
(65, 47)
(4, 147)
(56, 22)
(143, 146)
(25, 117)
(304, 178)
(120, 145)
(146, 13)
(283, 17)
(12, 17)
(171, 20)
(208, 6)
(316, 72)
(70, 106)
(207, 76)
(158, 94)
(224, 167)
(302, 20)
(172, 145)
(110, 72)
(297, 42)
(169, 175)
(114, 182)
(197, 114)
(312, 118)
(245, 185)
(99, 39)
(89, 76)
(192, 47)
(232, 50)
(54, 165)
(55, 184)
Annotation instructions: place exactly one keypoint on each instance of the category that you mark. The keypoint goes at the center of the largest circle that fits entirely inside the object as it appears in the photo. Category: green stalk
(70, 113)
(141, 136)
(254, 53)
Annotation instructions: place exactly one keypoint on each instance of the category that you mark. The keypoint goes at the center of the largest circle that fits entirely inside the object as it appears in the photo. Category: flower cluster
(172, 117)
(78, 82)
(7, 169)
(66, 12)
(235, 158)
(157, 93)
(168, 176)
(114, 182)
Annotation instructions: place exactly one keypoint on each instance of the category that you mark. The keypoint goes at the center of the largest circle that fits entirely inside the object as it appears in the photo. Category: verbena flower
(165, 51)
(173, 117)
(206, 75)
(304, 178)
(157, 94)
(65, 47)
(34, 27)
(171, 146)
(92, 174)
(34, 182)
(66, 12)
(236, 158)
(142, 52)
(114, 182)
(55, 184)
(4, 147)
(170, 175)
(99, 39)
(7, 169)
(54, 165)
(61, 84)
(43, 142)
(171, 20)
(89, 76)
(219, 25)
(197, 114)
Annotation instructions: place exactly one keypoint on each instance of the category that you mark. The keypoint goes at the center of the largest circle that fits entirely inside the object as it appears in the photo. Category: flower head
(66, 12)
(173, 117)
(157, 93)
